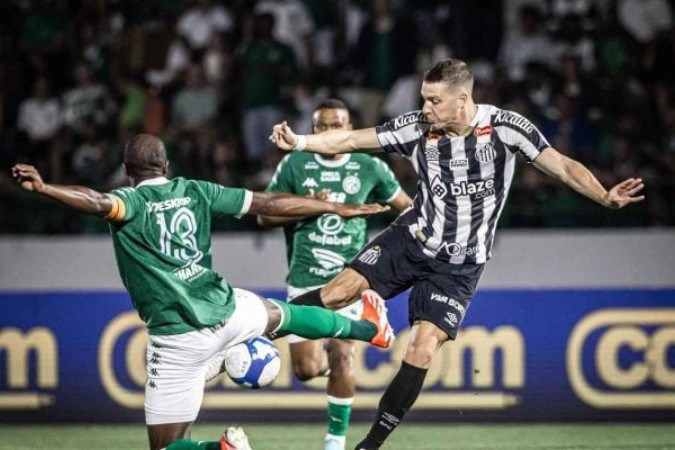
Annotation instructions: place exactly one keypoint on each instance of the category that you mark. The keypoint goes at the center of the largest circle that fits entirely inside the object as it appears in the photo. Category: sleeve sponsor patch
(408, 119)
(513, 119)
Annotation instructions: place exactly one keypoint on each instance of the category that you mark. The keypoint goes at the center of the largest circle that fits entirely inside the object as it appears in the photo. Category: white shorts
(176, 364)
(352, 311)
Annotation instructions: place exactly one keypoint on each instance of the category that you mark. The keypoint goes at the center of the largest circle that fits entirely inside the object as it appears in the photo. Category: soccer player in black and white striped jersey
(464, 155)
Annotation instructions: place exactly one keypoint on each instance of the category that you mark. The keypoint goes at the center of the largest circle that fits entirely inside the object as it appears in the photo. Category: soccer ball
(253, 364)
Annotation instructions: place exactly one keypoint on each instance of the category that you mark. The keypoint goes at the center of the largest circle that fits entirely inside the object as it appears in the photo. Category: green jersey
(162, 242)
(319, 247)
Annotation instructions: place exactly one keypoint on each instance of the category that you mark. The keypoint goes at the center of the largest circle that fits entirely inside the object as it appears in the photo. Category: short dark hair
(452, 71)
(144, 155)
(332, 103)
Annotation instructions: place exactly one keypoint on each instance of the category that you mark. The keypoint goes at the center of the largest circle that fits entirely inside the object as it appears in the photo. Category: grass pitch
(408, 436)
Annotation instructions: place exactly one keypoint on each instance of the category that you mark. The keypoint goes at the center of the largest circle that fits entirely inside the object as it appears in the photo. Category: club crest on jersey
(486, 152)
(371, 255)
(351, 184)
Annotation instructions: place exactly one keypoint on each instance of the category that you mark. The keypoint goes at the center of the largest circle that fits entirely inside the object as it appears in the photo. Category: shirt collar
(153, 182)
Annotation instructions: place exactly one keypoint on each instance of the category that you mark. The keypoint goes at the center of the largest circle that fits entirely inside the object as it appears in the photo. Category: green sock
(313, 322)
(339, 413)
(187, 444)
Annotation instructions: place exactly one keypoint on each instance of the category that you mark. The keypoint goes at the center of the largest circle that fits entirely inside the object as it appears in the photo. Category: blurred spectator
(195, 106)
(528, 43)
(199, 23)
(645, 19)
(293, 26)
(40, 118)
(210, 77)
(572, 40)
(570, 132)
(193, 113)
(87, 101)
(265, 73)
(386, 51)
(90, 158)
(176, 62)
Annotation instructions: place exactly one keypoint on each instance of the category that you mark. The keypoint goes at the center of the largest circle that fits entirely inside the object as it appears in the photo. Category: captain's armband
(118, 211)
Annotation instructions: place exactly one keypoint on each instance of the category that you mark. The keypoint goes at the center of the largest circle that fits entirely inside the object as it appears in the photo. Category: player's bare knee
(273, 315)
(340, 357)
(419, 354)
(305, 369)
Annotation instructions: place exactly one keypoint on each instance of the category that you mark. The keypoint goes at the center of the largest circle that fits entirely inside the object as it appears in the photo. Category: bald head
(145, 157)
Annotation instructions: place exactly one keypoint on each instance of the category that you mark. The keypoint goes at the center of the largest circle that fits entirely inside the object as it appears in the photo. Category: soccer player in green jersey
(161, 232)
(318, 247)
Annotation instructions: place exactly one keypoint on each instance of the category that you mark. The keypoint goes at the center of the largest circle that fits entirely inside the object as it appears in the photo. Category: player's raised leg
(233, 438)
(315, 322)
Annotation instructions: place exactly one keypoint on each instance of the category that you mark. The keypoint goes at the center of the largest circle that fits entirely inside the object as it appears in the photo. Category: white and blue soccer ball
(253, 364)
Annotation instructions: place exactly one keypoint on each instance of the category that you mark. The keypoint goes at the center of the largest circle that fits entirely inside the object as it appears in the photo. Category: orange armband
(118, 211)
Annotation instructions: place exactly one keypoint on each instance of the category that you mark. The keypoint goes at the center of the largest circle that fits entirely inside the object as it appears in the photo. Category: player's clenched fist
(283, 137)
(28, 177)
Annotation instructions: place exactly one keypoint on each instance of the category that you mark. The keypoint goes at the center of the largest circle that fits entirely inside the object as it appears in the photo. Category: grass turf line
(419, 437)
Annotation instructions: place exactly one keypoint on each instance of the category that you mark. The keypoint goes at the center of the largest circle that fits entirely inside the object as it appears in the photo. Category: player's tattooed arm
(578, 177)
(288, 205)
(79, 198)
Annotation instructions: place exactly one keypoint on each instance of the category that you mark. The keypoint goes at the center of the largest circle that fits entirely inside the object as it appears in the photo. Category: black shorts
(441, 292)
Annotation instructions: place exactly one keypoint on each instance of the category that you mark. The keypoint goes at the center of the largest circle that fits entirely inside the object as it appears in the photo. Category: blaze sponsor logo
(172, 203)
(474, 189)
(408, 119)
(352, 165)
(511, 118)
(486, 152)
(311, 165)
(371, 255)
(622, 358)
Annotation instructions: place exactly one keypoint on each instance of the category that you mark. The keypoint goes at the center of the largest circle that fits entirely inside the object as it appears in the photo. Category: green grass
(408, 436)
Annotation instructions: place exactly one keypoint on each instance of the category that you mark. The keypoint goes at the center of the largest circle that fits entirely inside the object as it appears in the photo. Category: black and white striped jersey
(463, 181)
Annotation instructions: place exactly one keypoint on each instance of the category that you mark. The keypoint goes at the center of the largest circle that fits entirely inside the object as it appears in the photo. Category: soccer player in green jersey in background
(161, 232)
(319, 246)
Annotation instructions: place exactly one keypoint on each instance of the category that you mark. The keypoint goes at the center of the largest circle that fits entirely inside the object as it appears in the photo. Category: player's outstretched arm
(79, 198)
(288, 205)
(276, 221)
(578, 177)
(328, 143)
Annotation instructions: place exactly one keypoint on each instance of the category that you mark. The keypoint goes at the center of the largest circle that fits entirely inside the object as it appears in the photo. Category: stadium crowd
(79, 78)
